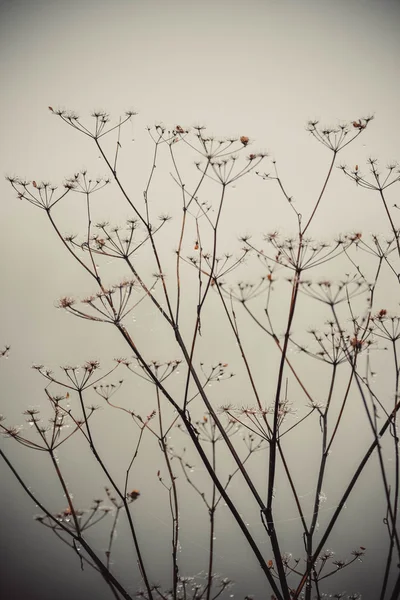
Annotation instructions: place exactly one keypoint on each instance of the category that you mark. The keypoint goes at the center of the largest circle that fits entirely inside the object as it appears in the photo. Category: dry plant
(188, 289)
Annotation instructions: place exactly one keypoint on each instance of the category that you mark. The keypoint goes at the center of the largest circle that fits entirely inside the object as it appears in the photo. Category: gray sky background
(261, 69)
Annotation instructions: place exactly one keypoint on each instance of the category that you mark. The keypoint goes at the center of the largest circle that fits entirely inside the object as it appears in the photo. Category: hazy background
(261, 69)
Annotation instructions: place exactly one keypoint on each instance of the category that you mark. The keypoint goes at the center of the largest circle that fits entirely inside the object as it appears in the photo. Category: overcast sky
(260, 68)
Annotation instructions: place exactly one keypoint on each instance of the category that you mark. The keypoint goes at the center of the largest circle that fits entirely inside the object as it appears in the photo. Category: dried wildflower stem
(212, 517)
(75, 536)
(274, 437)
(293, 488)
(82, 558)
(212, 437)
(324, 425)
(116, 488)
(277, 553)
(386, 486)
(66, 492)
(271, 532)
(185, 207)
(192, 433)
(117, 146)
(112, 535)
(133, 207)
(174, 507)
(233, 324)
(353, 362)
(396, 589)
(202, 298)
(217, 421)
(115, 303)
(338, 420)
(122, 496)
(273, 443)
(153, 167)
(179, 339)
(324, 457)
(148, 292)
(178, 278)
(203, 395)
(392, 225)
(303, 231)
(145, 222)
(235, 513)
(189, 359)
(394, 434)
(48, 212)
(345, 496)
(89, 224)
(135, 454)
(278, 343)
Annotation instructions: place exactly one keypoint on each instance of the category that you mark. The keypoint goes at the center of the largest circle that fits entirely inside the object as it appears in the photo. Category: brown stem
(78, 538)
(212, 525)
(345, 496)
(321, 194)
(194, 437)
